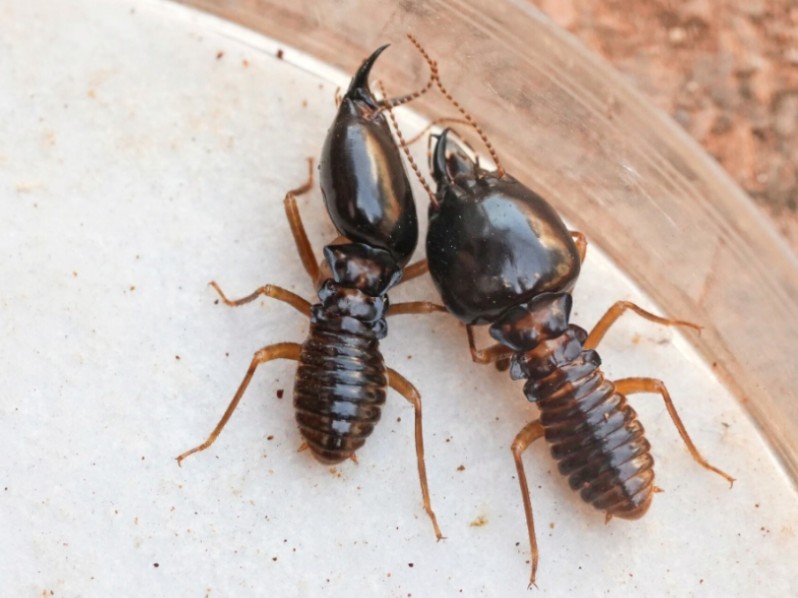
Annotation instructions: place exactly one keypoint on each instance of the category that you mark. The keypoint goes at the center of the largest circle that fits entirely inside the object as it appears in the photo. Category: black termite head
(363, 179)
(492, 242)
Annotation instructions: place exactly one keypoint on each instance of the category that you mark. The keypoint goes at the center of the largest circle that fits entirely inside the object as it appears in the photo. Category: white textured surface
(144, 151)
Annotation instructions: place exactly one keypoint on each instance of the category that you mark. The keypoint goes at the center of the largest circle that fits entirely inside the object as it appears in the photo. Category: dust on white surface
(146, 151)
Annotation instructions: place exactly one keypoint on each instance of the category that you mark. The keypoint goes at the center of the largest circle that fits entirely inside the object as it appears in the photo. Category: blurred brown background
(725, 70)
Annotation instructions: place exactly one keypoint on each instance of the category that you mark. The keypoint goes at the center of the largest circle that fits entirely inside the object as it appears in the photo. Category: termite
(499, 254)
(341, 382)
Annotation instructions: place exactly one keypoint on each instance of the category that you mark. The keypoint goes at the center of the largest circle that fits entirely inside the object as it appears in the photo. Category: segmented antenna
(469, 119)
(393, 103)
(434, 123)
(403, 145)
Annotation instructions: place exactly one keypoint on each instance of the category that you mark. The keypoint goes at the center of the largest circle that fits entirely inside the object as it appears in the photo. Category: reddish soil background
(725, 70)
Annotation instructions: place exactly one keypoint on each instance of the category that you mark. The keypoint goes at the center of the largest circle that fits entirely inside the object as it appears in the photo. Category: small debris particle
(245, 63)
(398, 420)
(479, 521)
(280, 393)
(304, 103)
(75, 274)
(461, 468)
(132, 287)
(551, 525)
(156, 565)
(677, 35)
(274, 558)
(177, 357)
(216, 302)
(280, 54)
(270, 437)
(756, 505)
(410, 565)
(219, 55)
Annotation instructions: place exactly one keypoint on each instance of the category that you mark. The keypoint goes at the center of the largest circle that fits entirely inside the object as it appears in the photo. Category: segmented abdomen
(595, 437)
(339, 391)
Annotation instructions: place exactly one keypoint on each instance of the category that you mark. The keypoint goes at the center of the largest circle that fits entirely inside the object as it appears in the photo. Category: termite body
(341, 381)
(500, 255)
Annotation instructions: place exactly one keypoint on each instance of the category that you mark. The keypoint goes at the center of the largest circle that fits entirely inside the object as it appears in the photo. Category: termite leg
(581, 244)
(497, 353)
(529, 434)
(278, 351)
(414, 307)
(415, 270)
(298, 229)
(633, 385)
(401, 385)
(269, 290)
(616, 311)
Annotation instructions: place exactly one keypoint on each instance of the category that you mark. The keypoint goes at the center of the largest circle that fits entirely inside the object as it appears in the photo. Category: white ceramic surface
(145, 150)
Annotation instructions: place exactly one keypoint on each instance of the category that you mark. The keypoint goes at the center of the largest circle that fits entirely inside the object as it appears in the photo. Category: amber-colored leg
(298, 229)
(401, 385)
(269, 290)
(525, 437)
(496, 353)
(581, 244)
(414, 307)
(278, 351)
(616, 311)
(415, 270)
(632, 385)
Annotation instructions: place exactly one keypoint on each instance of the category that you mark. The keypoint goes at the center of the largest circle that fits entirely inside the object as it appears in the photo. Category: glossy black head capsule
(363, 179)
(492, 242)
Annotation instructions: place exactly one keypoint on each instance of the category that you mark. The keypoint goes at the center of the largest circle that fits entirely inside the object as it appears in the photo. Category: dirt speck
(480, 521)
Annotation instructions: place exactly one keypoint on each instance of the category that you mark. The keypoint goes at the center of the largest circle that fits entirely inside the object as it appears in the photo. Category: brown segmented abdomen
(339, 391)
(595, 437)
